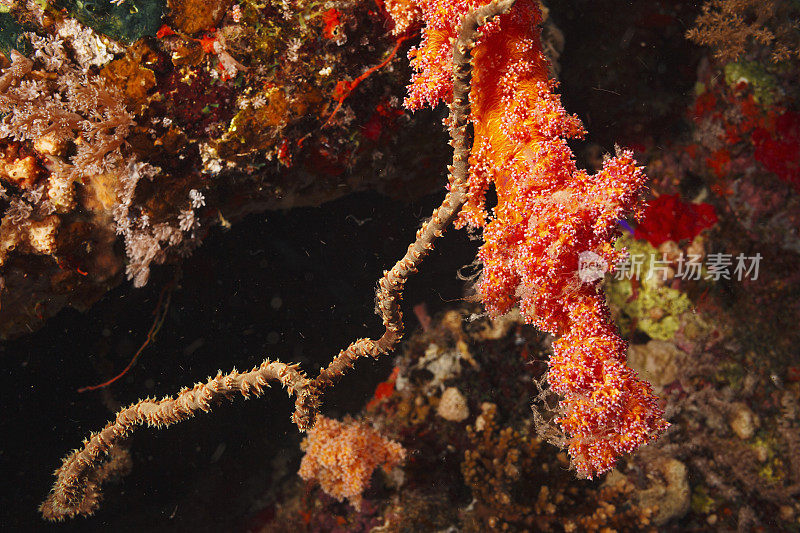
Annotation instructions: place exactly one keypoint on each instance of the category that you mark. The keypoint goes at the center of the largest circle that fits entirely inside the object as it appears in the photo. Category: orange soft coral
(549, 214)
(341, 457)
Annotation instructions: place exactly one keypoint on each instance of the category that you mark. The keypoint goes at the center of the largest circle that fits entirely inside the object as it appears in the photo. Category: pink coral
(341, 457)
(548, 214)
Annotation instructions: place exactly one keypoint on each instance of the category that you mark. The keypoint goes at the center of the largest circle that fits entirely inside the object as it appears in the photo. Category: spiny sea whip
(548, 214)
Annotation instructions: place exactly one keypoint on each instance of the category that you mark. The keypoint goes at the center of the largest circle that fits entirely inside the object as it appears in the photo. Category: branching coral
(77, 490)
(732, 27)
(548, 213)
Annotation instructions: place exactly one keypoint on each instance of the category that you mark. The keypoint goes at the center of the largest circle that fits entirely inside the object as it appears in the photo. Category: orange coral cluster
(549, 216)
(341, 457)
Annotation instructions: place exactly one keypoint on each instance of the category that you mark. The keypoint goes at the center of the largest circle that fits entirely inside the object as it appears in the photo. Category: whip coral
(549, 214)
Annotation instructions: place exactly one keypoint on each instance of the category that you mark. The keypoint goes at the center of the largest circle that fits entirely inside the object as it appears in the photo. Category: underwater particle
(127, 21)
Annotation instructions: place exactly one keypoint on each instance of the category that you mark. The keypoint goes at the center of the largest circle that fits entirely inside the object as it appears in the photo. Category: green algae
(127, 22)
(763, 84)
(11, 34)
(643, 303)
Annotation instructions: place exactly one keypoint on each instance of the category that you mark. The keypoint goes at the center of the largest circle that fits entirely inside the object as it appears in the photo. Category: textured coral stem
(76, 490)
(74, 494)
(390, 286)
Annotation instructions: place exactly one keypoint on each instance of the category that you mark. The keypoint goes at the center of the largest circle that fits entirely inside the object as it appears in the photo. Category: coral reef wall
(131, 129)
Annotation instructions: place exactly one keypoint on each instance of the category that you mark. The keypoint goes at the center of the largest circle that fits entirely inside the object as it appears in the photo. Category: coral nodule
(550, 215)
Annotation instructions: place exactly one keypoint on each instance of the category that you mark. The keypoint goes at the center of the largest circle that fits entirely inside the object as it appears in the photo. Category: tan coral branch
(390, 286)
(77, 486)
(76, 492)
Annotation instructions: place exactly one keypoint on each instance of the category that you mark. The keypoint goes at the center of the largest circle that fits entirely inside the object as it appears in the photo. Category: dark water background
(298, 286)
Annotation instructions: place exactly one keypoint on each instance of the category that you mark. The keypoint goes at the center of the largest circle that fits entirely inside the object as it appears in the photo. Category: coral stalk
(74, 492)
(77, 487)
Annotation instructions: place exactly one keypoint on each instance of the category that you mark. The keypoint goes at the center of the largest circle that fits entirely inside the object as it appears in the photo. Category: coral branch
(160, 313)
(390, 286)
(77, 487)
(349, 87)
(76, 490)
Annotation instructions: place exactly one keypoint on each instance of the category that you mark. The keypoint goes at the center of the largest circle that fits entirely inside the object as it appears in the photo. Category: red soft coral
(668, 218)
(548, 214)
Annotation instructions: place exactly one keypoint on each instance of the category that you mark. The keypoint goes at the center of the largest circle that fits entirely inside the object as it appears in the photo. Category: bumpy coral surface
(342, 456)
(549, 216)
